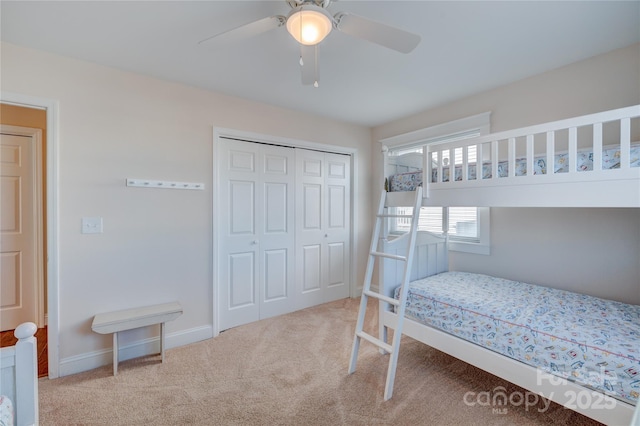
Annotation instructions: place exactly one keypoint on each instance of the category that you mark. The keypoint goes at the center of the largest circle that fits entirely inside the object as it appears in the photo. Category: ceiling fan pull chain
(315, 83)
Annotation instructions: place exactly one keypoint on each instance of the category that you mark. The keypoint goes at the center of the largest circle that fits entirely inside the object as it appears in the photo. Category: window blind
(460, 222)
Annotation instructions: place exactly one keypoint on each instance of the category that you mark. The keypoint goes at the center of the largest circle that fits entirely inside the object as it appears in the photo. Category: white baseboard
(90, 360)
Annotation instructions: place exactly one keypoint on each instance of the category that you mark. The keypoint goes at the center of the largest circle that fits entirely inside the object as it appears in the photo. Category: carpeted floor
(290, 370)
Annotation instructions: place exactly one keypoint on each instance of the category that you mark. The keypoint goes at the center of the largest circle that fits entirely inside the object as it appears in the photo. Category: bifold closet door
(257, 233)
(323, 193)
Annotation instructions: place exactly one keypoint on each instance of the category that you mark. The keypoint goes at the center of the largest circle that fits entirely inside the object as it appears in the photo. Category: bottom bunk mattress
(591, 341)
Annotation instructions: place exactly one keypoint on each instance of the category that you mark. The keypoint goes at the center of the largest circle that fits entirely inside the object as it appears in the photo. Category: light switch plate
(92, 225)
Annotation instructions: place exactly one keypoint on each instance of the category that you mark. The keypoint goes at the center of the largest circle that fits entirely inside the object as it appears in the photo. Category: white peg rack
(163, 184)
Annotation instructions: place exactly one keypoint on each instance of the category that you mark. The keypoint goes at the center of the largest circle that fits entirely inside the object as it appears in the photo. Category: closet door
(322, 228)
(257, 234)
(337, 227)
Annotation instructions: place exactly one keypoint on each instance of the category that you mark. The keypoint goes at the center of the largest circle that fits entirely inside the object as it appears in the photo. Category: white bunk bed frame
(430, 258)
(599, 187)
(19, 375)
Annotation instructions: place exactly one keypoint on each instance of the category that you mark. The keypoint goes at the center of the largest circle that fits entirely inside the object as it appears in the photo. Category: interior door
(257, 235)
(20, 250)
(309, 228)
(337, 227)
(322, 227)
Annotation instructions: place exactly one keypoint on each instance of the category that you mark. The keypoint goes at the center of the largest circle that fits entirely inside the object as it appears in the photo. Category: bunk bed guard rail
(597, 162)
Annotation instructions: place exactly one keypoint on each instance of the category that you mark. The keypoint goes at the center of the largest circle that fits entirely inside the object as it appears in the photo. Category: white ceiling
(466, 47)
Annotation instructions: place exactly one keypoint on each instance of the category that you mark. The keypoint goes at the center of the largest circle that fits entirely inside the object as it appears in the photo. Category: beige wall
(156, 245)
(597, 84)
(595, 251)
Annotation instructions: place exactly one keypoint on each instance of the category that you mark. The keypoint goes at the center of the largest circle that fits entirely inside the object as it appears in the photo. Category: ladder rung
(389, 256)
(399, 216)
(379, 343)
(390, 300)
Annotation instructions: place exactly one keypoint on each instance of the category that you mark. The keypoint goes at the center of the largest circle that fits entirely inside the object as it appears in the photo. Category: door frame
(53, 267)
(219, 132)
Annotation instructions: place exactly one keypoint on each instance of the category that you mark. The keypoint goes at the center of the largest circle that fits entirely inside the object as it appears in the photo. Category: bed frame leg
(26, 374)
(115, 353)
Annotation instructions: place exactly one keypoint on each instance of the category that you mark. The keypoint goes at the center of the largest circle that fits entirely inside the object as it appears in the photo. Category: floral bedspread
(6, 411)
(405, 181)
(584, 162)
(592, 341)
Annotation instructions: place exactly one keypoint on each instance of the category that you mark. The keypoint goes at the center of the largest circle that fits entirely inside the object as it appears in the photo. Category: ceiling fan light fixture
(309, 24)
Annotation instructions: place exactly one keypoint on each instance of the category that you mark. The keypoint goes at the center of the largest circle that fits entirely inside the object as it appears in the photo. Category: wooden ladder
(400, 304)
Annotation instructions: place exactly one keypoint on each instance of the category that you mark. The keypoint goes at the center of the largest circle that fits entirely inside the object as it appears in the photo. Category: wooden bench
(128, 319)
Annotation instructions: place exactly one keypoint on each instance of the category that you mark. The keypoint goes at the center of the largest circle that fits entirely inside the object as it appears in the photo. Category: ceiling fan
(309, 22)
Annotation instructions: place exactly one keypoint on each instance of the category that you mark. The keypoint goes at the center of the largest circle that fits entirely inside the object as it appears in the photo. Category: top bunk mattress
(592, 341)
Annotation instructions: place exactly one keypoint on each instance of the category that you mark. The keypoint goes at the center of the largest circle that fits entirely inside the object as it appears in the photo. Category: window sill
(474, 248)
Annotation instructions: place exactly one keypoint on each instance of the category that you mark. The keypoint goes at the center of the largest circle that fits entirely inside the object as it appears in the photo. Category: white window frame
(483, 246)
(441, 133)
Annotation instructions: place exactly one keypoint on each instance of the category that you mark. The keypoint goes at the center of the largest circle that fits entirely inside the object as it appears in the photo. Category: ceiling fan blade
(376, 32)
(309, 64)
(244, 31)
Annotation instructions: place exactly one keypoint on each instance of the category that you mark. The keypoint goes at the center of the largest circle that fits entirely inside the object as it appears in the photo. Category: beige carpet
(289, 370)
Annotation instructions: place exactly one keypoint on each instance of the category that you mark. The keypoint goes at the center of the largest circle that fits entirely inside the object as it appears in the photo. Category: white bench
(114, 322)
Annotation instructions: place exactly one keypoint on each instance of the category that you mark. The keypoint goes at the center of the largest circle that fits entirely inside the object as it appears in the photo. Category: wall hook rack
(163, 184)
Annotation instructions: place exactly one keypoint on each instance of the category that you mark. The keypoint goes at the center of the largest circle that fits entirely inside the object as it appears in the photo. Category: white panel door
(323, 194)
(337, 226)
(256, 257)
(310, 192)
(20, 268)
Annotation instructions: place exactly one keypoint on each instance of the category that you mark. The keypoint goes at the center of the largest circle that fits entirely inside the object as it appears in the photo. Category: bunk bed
(19, 379)
(595, 368)
(587, 161)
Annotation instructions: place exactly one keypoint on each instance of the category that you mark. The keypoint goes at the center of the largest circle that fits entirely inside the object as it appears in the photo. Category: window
(460, 223)
(467, 227)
